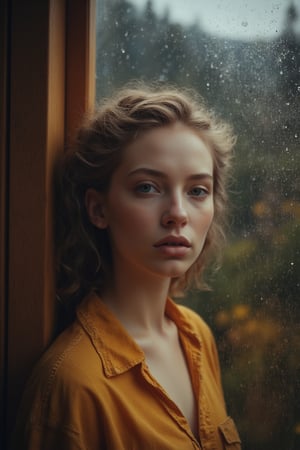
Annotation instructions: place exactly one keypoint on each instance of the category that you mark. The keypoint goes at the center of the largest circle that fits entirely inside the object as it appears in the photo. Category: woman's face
(160, 206)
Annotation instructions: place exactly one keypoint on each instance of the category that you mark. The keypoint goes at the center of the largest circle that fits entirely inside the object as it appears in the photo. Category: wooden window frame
(48, 52)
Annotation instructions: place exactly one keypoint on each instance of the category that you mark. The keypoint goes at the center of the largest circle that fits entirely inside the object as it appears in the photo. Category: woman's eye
(198, 192)
(146, 188)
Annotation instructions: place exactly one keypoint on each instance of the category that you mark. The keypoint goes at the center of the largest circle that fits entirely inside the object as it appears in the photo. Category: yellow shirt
(92, 390)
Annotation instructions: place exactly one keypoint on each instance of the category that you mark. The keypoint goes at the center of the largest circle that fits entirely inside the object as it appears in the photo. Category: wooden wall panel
(36, 136)
(3, 204)
(51, 55)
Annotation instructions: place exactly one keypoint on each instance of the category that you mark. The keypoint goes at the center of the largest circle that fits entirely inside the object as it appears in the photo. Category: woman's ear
(94, 203)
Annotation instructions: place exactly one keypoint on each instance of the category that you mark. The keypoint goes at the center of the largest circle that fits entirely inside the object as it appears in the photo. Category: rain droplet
(244, 23)
(122, 50)
(207, 84)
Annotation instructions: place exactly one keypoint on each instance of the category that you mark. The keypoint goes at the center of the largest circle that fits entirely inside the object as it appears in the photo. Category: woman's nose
(175, 214)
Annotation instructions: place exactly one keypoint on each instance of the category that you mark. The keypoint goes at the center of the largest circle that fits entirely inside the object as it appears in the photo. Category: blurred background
(244, 59)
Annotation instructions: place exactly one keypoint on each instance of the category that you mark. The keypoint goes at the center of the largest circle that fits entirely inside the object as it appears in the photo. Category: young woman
(143, 192)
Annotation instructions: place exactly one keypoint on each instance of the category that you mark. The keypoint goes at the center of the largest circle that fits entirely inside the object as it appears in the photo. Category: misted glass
(254, 83)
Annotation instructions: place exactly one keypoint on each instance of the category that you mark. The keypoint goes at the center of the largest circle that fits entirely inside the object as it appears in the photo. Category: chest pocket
(230, 435)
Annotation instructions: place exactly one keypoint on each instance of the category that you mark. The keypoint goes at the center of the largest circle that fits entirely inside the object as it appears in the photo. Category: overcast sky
(242, 19)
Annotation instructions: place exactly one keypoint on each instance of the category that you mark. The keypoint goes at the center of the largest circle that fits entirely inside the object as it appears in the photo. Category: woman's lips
(173, 246)
(175, 241)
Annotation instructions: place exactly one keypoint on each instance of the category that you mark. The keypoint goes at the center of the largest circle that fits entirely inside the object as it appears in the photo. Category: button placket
(169, 405)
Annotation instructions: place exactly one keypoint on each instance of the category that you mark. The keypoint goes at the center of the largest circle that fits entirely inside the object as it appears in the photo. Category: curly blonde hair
(83, 251)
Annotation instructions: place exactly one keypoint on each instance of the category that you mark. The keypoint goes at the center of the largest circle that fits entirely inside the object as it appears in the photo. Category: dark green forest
(254, 305)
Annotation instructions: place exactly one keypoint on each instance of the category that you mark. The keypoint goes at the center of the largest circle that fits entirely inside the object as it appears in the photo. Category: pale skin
(158, 211)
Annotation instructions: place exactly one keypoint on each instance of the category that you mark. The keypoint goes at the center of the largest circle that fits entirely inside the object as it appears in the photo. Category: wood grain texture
(52, 68)
(81, 62)
(36, 137)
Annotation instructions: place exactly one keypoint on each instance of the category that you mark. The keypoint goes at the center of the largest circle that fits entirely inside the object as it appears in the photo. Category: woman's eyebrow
(158, 173)
(147, 171)
(201, 176)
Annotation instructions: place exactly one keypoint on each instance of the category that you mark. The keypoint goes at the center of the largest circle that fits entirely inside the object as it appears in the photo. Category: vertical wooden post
(81, 57)
(37, 101)
(48, 50)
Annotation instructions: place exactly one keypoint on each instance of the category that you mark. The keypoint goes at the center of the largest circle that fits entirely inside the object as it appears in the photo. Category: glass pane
(244, 58)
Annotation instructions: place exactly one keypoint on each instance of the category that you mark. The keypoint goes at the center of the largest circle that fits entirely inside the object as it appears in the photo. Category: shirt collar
(115, 347)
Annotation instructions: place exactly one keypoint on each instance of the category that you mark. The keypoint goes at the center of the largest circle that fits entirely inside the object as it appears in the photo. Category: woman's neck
(139, 303)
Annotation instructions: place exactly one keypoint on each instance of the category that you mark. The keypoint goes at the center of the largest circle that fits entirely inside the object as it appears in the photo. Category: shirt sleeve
(45, 437)
(60, 414)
